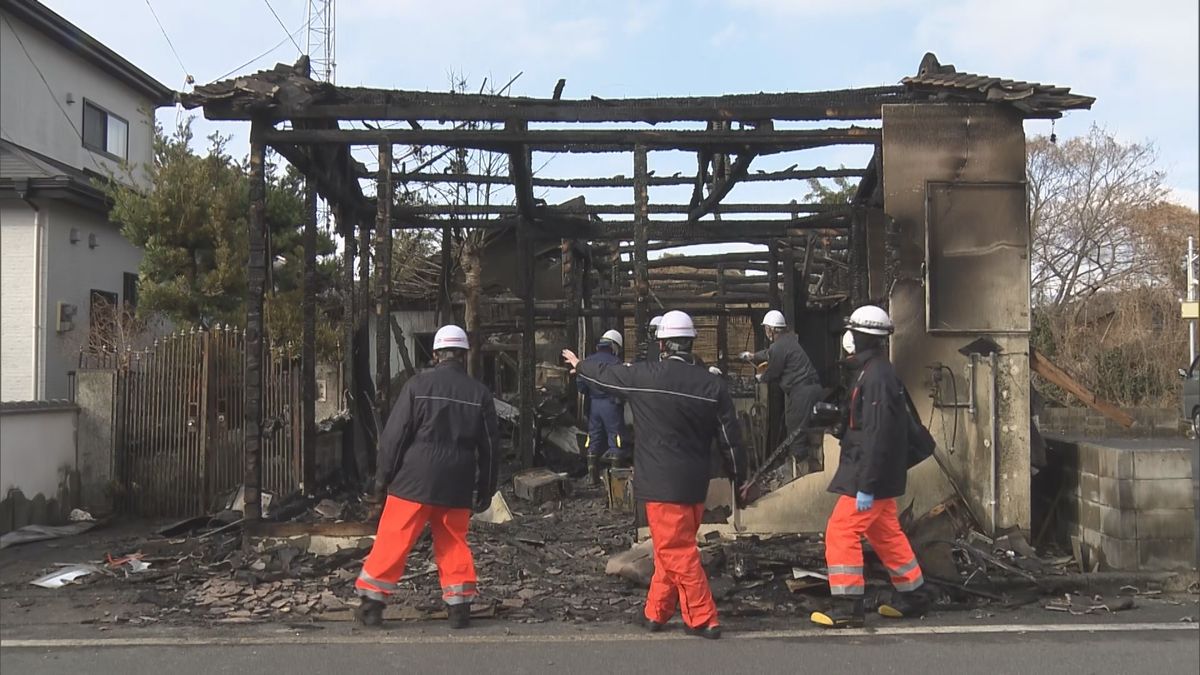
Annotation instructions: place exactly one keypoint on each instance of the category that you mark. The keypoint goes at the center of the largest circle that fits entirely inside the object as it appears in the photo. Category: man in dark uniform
(678, 411)
(873, 472)
(789, 365)
(440, 448)
(606, 412)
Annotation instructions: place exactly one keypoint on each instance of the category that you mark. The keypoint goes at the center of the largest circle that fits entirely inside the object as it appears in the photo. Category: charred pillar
(722, 324)
(445, 306)
(641, 214)
(858, 257)
(521, 172)
(256, 278)
(308, 356)
(773, 275)
(383, 285)
(570, 282)
(346, 226)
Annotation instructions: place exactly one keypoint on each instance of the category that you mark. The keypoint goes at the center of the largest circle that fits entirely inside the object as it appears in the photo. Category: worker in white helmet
(872, 474)
(606, 410)
(438, 461)
(649, 350)
(789, 365)
(678, 411)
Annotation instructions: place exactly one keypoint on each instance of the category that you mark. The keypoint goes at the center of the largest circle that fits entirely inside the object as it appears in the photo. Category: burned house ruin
(937, 231)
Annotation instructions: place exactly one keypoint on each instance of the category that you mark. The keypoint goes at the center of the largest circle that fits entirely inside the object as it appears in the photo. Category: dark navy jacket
(600, 356)
(442, 440)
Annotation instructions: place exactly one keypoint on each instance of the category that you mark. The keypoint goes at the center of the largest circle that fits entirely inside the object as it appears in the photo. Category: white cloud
(816, 7)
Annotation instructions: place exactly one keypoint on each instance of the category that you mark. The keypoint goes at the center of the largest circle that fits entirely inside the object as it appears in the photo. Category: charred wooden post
(803, 283)
(773, 275)
(383, 285)
(256, 278)
(570, 282)
(641, 200)
(345, 225)
(788, 263)
(520, 169)
(858, 258)
(722, 325)
(308, 356)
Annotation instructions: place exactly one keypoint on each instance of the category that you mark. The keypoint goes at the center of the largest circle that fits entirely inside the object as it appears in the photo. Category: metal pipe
(1191, 295)
(995, 436)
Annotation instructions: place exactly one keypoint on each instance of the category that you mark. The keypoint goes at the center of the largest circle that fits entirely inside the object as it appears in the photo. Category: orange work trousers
(399, 528)
(843, 547)
(678, 580)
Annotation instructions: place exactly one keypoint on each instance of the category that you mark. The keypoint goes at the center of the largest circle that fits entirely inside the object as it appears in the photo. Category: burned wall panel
(988, 453)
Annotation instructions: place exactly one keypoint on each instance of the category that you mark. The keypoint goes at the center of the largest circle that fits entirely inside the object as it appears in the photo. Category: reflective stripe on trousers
(399, 528)
(843, 547)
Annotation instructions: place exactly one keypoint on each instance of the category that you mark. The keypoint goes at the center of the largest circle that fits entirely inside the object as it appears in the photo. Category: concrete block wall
(1131, 506)
(1087, 423)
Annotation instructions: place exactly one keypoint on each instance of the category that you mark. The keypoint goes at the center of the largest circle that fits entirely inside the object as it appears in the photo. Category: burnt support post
(521, 171)
(641, 214)
(570, 282)
(445, 306)
(308, 355)
(858, 257)
(383, 285)
(346, 225)
(773, 275)
(722, 324)
(788, 262)
(256, 279)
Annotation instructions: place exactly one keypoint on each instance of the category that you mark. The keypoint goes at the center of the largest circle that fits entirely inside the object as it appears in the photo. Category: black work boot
(369, 612)
(593, 467)
(710, 632)
(912, 604)
(650, 624)
(459, 615)
(846, 612)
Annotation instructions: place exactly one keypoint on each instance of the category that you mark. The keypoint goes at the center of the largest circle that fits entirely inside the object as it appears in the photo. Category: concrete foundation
(1130, 504)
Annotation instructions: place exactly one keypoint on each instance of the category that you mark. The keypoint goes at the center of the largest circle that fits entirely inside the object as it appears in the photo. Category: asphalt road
(1057, 649)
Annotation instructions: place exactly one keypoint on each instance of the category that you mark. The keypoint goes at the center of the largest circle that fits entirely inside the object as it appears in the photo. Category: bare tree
(1085, 197)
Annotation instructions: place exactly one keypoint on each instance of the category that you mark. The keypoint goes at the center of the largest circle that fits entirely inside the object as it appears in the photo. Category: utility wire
(187, 75)
(284, 27)
(277, 46)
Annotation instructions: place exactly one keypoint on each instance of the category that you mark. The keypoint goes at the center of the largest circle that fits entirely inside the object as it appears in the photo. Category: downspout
(23, 192)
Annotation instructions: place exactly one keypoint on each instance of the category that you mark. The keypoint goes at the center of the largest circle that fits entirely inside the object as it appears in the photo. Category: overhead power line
(283, 26)
(188, 79)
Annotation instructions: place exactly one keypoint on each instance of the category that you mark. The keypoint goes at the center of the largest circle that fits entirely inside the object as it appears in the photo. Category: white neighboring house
(71, 111)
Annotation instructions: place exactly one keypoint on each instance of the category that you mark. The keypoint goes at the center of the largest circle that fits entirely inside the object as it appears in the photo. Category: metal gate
(178, 420)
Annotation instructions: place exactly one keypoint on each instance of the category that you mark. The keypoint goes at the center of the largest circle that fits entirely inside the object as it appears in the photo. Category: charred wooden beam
(791, 208)
(588, 140)
(360, 103)
(674, 298)
(256, 278)
(710, 203)
(520, 171)
(618, 181)
(383, 286)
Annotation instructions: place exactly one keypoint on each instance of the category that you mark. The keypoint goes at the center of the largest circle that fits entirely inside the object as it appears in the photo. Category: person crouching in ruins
(873, 472)
(678, 411)
(438, 458)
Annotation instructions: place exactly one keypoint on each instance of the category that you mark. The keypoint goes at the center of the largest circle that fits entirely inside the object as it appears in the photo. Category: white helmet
(656, 321)
(450, 337)
(613, 337)
(848, 342)
(774, 319)
(871, 320)
(676, 324)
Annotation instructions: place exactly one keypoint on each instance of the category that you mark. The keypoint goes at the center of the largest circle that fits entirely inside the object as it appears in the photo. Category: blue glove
(864, 501)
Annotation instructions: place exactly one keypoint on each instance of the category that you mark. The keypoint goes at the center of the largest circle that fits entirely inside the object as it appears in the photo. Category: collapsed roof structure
(815, 260)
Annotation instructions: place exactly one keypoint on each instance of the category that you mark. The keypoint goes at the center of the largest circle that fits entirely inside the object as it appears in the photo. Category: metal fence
(178, 418)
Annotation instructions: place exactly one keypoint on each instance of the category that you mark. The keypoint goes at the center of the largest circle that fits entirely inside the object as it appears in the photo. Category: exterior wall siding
(18, 284)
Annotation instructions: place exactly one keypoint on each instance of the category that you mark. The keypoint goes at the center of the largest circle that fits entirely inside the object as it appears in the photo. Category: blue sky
(1139, 59)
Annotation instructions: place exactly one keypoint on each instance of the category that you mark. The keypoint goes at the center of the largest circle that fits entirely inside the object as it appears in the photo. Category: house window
(129, 291)
(104, 132)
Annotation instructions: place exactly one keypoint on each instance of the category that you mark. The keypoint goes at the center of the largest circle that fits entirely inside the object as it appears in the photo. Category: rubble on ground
(568, 559)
